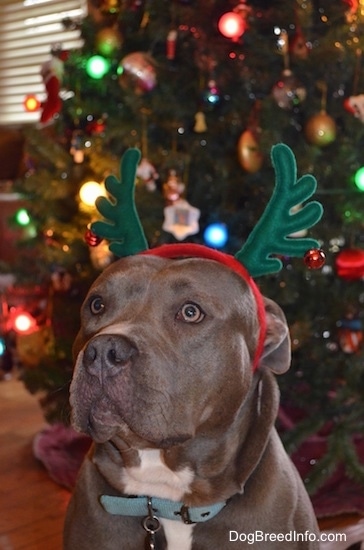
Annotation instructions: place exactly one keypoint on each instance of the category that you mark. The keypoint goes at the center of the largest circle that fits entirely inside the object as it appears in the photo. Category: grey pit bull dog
(185, 454)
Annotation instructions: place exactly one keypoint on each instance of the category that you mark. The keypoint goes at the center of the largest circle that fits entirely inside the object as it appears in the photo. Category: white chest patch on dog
(178, 535)
(153, 478)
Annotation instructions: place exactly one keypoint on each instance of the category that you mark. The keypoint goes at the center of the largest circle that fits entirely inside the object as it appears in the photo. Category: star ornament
(181, 219)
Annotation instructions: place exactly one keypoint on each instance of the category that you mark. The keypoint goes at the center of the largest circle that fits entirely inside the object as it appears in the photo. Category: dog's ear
(277, 346)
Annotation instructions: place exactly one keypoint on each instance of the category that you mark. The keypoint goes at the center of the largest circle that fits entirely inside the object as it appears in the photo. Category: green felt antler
(124, 227)
(271, 234)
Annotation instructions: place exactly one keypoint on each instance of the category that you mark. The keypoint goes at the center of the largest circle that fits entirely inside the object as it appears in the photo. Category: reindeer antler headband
(271, 235)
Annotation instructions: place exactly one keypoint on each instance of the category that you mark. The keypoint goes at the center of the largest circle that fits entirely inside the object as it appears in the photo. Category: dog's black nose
(106, 354)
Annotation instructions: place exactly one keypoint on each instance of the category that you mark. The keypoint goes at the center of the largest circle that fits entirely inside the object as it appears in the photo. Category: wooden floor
(32, 506)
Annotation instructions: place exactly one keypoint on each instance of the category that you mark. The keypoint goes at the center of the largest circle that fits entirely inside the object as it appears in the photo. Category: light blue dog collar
(164, 508)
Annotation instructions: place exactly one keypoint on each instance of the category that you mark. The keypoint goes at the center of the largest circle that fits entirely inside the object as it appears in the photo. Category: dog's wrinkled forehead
(194, 274)
(141, 276)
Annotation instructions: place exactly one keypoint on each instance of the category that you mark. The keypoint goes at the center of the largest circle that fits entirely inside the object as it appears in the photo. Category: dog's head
(166, 350)
(170, 342)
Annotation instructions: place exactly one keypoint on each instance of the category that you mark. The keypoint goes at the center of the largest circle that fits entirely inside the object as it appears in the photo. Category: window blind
(28, 30)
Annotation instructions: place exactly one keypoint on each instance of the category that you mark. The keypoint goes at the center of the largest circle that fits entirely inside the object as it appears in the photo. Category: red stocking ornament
(52, 74)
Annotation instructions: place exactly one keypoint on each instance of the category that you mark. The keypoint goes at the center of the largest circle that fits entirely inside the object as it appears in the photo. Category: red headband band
(189, 250)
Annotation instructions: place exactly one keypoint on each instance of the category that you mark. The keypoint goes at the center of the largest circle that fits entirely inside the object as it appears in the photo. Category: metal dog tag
(151, 524)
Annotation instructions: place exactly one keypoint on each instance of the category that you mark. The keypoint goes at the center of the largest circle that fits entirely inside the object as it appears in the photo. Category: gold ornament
(320, 129)
(103, 12)
(200, 123)
(108, 41)
(110, 7)
(249, 154)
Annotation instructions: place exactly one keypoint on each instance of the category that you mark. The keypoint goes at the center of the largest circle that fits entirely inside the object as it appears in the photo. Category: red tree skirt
(339, 494)
(61, 450)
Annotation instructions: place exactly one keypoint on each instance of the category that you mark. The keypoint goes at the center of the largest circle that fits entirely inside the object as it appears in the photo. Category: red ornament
(173, 188)
(91, 238)
(314, 258)
(96, 127)
(350, 334)
(298, 45)
(348, 106)
(353, 5)
(349, 264)
(137, 73)
(171, 44)
(355, 106)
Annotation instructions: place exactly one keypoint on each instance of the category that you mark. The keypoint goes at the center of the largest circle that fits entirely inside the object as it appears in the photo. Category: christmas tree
(205, 88)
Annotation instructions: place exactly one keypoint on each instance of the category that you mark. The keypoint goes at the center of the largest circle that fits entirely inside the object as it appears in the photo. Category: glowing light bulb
(97, 66)
(359, 178)
(24, 322)
(231, 25)
(31, 103)
(22, 217)
(89, 192)
(216, 235)
(2, 346)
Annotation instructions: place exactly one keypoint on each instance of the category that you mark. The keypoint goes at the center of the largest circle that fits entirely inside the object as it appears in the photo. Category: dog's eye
(97, 306)
(190, 313)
